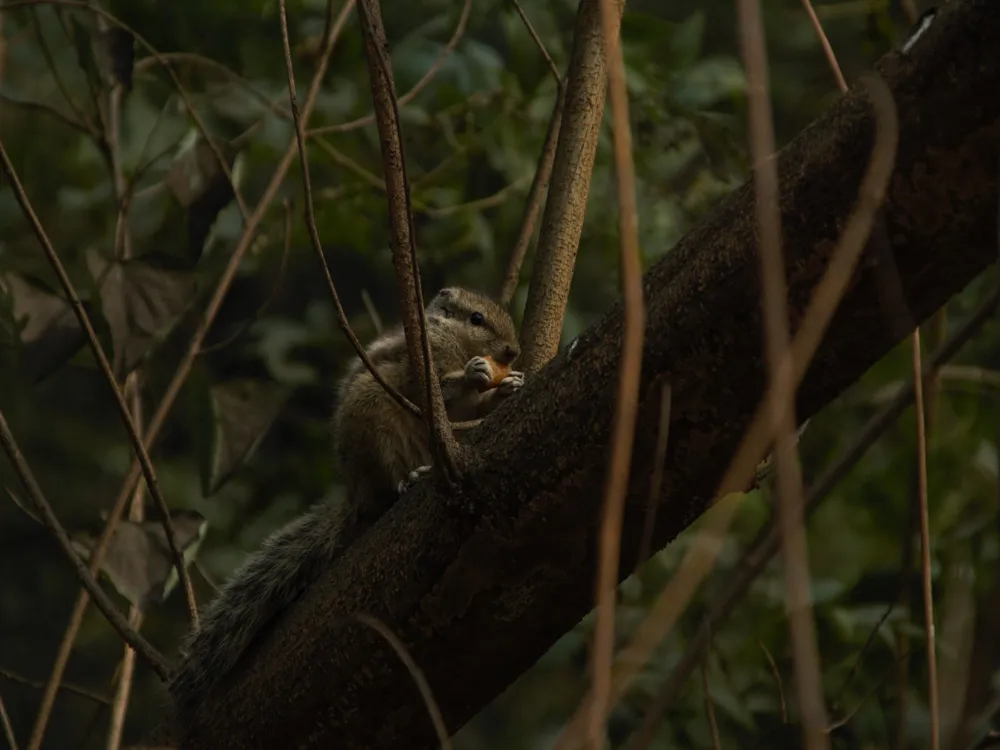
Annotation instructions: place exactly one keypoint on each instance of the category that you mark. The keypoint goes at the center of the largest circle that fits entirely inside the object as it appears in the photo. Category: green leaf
(85, 56)
(141, 299)
(242, 411)
(43, 323)
(138, 561)
(198, 182)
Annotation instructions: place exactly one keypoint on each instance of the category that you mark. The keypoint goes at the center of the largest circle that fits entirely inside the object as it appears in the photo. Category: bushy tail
(267, 583)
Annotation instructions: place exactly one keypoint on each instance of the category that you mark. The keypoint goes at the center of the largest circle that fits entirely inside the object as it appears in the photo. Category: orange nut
(500, 371)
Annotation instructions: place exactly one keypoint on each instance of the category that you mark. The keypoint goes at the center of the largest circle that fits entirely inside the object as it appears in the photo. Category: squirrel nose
(510, 353)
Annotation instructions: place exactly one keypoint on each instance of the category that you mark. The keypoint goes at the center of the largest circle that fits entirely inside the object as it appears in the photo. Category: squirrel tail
(267, 583)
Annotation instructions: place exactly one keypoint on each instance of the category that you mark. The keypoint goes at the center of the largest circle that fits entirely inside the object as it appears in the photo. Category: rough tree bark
(478, 600)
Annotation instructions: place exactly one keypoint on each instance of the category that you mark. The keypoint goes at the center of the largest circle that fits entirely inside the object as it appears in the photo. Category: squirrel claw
(511, 384)
(416, 474)
(479, 372)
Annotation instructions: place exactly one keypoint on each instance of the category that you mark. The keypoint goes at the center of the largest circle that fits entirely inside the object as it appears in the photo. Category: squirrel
(382, 449)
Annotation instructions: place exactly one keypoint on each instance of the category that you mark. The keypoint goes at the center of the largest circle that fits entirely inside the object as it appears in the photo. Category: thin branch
(45, 109)
(540, 183)
(788, 470)
(8, 729)
(180, 375)
(142, 66)
(66, 686)
(766, 545)
(443, 446)
(627, 400)
(417, 88)
(656, 482)
(569, 187)
(825, 43)
(126, 671)
(104, 604)
(536, 196)
(538, 41)
(314, 231)
(925, 545)
(372, 311)
(132, 392)
(81, 315)
(777, 682)
(418, 675)
(478, 204)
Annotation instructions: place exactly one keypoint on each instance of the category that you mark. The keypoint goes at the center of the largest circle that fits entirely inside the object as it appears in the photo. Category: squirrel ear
(447, 292)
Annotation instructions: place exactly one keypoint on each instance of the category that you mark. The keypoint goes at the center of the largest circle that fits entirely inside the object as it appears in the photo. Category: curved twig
(317, 244)
(417, 88)
(108, 609)
(404, 254)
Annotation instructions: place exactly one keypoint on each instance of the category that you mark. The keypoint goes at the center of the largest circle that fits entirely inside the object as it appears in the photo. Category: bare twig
(417, 88)
(314, 231)
(566, 203)
(626, 403)
(808, 676)
(418, 675)
(46, 110)
(8, 729)
(126, 671)
(372, 311)
(825, 43)
(536, 196)
(777, 682)
(538, 42)
(540, 183)
(656, 481)
(925, 545)
(104, 604)
(766, 545)
(132, 391)
(443, 446)
(66, 686)
(180, 375)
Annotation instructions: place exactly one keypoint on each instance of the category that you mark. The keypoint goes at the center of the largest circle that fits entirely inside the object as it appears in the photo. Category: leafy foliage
(249, 446)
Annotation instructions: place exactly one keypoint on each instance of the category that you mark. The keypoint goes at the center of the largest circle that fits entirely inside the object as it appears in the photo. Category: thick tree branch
(478, 601)
(566, 202)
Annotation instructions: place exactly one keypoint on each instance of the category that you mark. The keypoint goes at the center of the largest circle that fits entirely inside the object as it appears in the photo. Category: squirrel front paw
(510, 384)
(479, 372)
(416, 474)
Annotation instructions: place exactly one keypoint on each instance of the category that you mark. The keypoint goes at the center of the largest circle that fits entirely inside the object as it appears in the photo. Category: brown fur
(378, 444)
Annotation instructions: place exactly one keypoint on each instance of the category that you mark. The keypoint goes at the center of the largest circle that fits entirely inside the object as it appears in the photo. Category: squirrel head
(483, 327)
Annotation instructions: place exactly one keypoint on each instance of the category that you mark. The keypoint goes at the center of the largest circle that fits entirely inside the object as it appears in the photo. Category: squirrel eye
(477, 319)
(446, 311)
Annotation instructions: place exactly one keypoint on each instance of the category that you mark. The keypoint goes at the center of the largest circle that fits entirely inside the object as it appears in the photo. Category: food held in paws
(500, 371)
